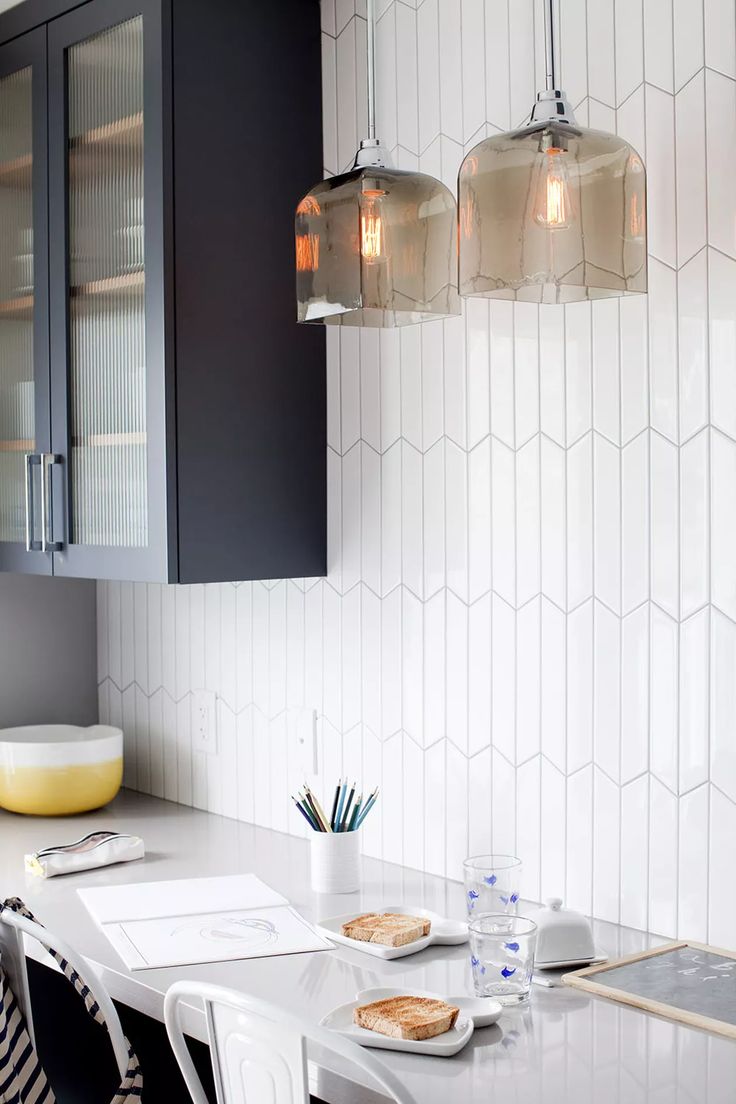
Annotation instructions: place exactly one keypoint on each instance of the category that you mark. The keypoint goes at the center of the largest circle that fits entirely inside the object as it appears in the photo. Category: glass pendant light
(376, 246)
(552, 212)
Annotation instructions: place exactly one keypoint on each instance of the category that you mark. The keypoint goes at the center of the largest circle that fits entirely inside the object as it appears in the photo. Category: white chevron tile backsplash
(528, 631)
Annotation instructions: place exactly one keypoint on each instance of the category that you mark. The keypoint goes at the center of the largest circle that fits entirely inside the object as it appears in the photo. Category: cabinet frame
(29, 50)
(158, 558)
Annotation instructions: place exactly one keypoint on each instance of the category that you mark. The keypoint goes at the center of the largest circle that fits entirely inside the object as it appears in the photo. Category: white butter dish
(563, 936)
(92, 851)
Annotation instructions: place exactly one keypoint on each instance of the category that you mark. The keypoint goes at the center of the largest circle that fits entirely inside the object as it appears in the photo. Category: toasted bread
(407, 1017)
(391, 929)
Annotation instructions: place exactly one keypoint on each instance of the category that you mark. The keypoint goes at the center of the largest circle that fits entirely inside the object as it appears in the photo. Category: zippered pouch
(92, 851)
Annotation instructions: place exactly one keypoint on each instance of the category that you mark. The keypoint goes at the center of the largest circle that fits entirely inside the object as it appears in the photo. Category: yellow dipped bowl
(58, 770)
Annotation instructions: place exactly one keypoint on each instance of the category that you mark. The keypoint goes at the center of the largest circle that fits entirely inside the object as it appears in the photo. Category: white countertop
(564, 1046)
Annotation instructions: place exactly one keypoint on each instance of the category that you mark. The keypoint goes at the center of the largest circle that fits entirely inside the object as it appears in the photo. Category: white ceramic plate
(443, 931)
(483, 1011)
(595, 961)
(442, 1046)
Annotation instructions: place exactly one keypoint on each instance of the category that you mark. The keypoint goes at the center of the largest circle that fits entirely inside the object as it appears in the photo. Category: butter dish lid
(563, 935)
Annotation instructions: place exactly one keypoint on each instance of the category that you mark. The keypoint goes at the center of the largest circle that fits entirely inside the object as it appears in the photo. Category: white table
(563, 1048)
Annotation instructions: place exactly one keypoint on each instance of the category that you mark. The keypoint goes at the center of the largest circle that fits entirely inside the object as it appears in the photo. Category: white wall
(528, 631)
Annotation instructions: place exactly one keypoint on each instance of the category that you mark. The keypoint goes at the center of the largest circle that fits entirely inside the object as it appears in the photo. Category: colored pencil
(315, 813)
(343, 825)
(343, 788)
(368, 806)
(306, 798)
(306, 811)
(334, 806)
(355, 814)
(320, 811)
(303, 811)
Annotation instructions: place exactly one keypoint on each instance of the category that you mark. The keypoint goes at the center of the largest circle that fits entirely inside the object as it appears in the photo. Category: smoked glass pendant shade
(376, 247)
(552, 213)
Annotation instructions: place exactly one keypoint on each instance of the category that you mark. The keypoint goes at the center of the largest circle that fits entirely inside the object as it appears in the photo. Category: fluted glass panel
(552, 214)
(377, 247)
(106, 308)
(17, 430)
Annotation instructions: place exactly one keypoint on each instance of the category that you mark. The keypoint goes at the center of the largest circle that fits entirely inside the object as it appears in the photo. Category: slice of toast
(407, 1017)
(391, 929)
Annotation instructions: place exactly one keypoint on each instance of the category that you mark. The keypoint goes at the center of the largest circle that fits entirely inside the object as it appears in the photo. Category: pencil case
(92, 851)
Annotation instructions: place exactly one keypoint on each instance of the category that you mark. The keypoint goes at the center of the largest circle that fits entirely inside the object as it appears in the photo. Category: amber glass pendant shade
(552, 213)
(376, 247)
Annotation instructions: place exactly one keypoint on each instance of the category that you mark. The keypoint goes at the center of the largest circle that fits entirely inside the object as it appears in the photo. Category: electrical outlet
(204, 721)
(306, 740)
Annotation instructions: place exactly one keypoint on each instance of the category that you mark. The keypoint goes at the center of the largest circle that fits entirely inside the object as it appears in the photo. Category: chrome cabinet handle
(48, 544)
(29, 461)
(32, 460)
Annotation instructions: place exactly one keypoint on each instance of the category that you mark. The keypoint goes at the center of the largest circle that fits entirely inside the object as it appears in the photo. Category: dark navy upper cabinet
(162, 416)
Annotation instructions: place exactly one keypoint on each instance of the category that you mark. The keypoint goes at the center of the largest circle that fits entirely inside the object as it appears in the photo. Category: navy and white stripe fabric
(22, 1080)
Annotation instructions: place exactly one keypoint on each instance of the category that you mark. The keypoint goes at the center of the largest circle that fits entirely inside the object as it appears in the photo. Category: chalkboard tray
(688, 982)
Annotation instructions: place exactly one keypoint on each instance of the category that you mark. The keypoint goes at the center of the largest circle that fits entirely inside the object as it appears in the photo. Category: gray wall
(48, 651)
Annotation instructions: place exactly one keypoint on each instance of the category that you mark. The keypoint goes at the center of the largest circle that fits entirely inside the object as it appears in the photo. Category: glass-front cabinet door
(24, 354)
(107, 471)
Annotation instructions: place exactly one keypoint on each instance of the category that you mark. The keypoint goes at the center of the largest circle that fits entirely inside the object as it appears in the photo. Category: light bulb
(553, 207)
(637, 227)
(637, 211)
(372, 228)
(307, 252)
(307, 242)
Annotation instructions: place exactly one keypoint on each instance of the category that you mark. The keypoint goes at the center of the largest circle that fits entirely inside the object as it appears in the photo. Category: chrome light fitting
(552, 212)
(376, 246)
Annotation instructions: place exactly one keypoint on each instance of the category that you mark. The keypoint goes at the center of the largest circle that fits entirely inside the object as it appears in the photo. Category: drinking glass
(492, 883)
(502, 956)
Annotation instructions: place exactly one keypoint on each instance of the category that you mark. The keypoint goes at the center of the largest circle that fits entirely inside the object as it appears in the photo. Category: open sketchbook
(181, 923)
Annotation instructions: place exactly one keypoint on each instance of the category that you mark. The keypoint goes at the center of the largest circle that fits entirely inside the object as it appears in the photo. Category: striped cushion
(130, 1090)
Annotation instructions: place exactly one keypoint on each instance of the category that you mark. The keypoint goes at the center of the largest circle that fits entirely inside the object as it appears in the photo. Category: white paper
(215, 937)
(181, 923)
(182, 897)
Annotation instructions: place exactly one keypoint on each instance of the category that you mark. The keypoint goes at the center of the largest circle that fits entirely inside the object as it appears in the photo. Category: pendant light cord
(551, 38)
(371, 38)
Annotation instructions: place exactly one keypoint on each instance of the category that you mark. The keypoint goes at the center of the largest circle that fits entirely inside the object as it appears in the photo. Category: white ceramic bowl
(57, 770)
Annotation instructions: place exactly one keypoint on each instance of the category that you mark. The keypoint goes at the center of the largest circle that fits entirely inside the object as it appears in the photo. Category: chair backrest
(13, 960)
(258, 1050)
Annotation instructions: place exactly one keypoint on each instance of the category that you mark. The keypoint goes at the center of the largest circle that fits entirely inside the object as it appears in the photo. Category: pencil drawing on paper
(251, 931)
(220, 936)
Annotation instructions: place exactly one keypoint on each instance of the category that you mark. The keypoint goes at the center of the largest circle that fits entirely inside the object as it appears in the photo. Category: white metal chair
(13, 960)
(259, 1051)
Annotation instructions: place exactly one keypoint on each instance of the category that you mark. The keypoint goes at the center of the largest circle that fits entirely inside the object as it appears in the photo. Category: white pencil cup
(335, 862)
